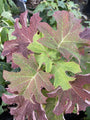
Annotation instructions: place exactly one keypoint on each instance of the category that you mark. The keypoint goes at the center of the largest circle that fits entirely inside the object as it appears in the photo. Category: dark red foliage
(76, 95)
(24, 36)
(24, 108)
(85, 34)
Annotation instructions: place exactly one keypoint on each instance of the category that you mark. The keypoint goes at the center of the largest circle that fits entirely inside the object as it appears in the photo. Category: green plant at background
(87, 113)
(7, 10)
(48, 7)
(6, 21)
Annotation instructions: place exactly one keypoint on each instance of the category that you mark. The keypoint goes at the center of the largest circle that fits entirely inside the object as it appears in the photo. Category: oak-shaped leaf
(42, 51)
(24, 36)
(65, 38)
(60, 70)
(77, 95)
(43, 54)
(25, 108)
(29, 81)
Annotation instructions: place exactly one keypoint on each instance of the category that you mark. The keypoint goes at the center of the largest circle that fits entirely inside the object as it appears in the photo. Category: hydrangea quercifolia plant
(49, 67)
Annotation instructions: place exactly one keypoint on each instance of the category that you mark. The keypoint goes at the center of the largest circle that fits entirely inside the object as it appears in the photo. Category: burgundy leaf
(85, 34)
(76, 95)
(29, 81)
(24, 36)
(25, 108)
(65, 38)
(78, 84)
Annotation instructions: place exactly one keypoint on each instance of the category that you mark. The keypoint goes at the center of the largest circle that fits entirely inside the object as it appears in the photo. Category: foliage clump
(52, 68)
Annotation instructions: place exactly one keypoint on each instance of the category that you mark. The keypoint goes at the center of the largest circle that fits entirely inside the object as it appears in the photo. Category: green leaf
(2, 90)
(1, 57)
(87, 87)
(11, 37)
(36, 47)
(5, 66)
(44, 59)
(87, 113)
(50, 13)
(1, 79)
(54, 5)
(1, 110)
(87, 69)
(4, 35)
(6, 5)
(1, 107)
(40, 8)
(61, 4)
(46, 55)
(7, 15)
(1, 6)
(37, 36)
(50, 0)
(61, 78)
(51, 102)
(52, 20)
(9, 23)
(14, 8)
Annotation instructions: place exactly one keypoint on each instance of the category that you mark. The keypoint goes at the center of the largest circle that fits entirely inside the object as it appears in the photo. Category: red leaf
(76, 95)
(25, 108)
(24, 37)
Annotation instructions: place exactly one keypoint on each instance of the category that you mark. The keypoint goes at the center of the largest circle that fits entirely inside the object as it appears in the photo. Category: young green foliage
(43, 55)
(61, 78)
(46, 8)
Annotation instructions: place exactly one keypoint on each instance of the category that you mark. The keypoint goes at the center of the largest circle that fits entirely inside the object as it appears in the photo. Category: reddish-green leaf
(25, 108)
(65, 38)
(76, 95)
(28, 81)
(24, 36)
